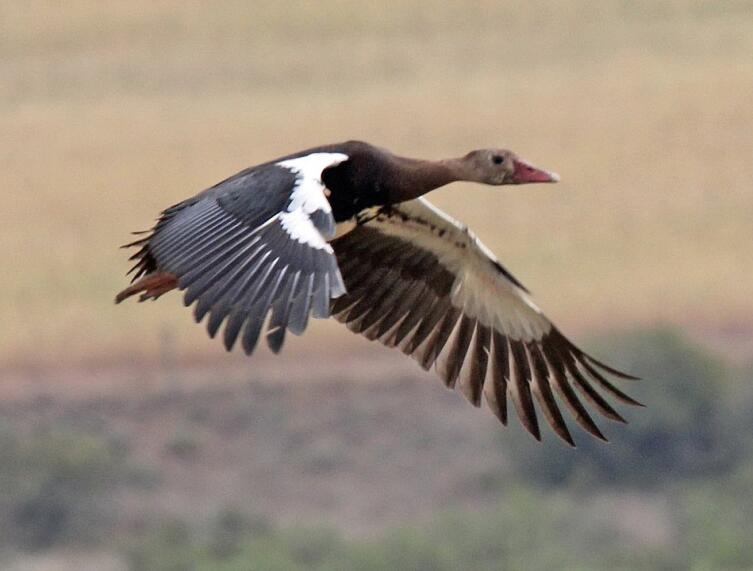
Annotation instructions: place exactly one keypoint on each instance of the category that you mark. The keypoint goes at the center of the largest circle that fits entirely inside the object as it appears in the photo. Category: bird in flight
(344, 230)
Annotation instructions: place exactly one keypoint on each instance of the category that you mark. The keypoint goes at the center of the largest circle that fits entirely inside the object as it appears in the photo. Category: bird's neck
(415, 177)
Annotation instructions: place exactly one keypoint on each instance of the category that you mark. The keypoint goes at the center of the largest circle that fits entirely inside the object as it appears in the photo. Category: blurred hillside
(111, 112)
(166, 473)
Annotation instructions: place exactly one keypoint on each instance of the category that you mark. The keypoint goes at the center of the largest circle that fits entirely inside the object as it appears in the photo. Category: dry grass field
(112, 111)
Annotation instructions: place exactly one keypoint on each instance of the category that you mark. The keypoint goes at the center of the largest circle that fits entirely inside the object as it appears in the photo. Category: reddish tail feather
(151, 286)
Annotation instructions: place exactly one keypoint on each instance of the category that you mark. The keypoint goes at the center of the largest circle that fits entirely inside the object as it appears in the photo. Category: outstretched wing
(418, 280)
(253, 243)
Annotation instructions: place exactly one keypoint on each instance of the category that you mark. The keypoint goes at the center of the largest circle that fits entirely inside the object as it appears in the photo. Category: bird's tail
(151, 286)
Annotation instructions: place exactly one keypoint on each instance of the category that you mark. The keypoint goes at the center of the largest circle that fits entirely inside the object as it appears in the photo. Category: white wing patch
(308, 193)
(479, 289)
(298, 226)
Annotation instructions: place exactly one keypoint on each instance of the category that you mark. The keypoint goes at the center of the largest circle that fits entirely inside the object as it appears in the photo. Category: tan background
(113, 111)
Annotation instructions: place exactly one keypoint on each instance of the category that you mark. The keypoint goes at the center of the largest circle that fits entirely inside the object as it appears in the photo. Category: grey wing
(250, 247)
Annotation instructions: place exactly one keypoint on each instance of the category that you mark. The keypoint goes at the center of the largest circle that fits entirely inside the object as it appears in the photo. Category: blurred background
(128, 440)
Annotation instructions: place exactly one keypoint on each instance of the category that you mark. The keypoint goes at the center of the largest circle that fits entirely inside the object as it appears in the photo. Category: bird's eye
(498, 159)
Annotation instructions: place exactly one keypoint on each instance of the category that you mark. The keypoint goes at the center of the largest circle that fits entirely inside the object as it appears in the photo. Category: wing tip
(566, 437)
(532, 427)
(276, 339)
(612, 370)
(597, 433)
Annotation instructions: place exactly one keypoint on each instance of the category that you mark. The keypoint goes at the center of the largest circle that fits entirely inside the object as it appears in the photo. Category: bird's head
(499, 166)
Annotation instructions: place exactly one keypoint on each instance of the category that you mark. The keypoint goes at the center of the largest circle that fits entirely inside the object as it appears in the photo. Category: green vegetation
(530, 530)
(53, 488)
(671, 492)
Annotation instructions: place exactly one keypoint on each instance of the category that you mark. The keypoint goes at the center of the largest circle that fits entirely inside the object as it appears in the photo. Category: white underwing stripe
(308, 193)
(423, 283)
(299, 227)
(479, 290)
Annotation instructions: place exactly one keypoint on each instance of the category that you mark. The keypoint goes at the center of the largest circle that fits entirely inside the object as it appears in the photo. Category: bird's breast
(344, 227)
(350, 191)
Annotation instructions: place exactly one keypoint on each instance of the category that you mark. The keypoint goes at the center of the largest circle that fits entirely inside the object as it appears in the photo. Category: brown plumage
(342, 230)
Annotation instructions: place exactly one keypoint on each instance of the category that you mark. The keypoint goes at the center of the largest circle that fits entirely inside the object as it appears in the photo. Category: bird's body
(342, 230)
